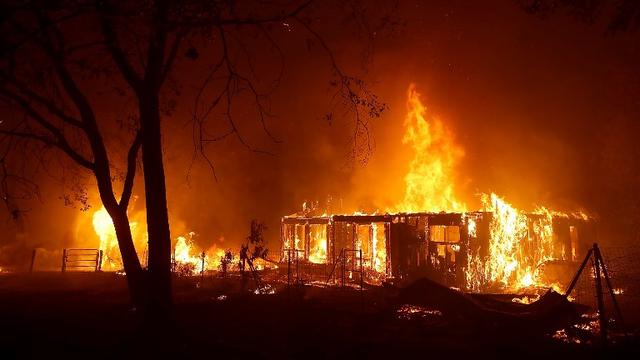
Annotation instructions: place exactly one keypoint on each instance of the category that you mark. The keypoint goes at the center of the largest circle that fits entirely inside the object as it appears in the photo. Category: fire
(379, 248)
(187, 258)
(429, 184)
(518, 243)
(518, 246)
(318, 244)
(103, 227)
(507, 230)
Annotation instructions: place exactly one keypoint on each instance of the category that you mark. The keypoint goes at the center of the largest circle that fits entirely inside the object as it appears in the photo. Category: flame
(318, 243)
(190, 260)
(379, 248)
(103, 227)
(429, 184)
(187, 256)
(518, 242)
(518, 246)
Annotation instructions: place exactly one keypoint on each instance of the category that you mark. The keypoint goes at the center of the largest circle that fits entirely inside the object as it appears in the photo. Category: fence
(347, 268)
(81, 259)
(623, 266)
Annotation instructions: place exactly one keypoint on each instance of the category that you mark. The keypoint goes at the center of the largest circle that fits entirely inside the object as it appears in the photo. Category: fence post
(361, 271)
(297, 268)
(598, 254)
(601, 311)
(64, 259)
(202, 268)
(577, 276)
(99, 264)
(344, 265)
(33, 260)
(288, 267)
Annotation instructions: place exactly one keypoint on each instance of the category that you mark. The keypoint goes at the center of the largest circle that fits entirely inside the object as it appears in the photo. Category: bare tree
(55, 55)
(620, 15)
(45, 108)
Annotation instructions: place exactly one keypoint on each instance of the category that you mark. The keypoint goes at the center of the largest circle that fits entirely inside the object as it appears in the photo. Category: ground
(86, 315)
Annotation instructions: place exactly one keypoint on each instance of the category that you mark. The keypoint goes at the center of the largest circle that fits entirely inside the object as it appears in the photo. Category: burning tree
(225, 262)
(255, 247)
(67, 64)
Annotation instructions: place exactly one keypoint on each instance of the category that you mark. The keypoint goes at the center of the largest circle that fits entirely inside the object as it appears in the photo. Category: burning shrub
(255, 247)
(184, 269)
(225, 262)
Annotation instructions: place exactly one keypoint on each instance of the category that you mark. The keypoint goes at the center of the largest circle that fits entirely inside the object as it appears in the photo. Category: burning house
(474, 251)
(431, 233)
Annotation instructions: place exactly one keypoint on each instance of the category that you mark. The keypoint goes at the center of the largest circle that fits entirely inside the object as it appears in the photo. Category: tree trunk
(130, 261)
(159, 275)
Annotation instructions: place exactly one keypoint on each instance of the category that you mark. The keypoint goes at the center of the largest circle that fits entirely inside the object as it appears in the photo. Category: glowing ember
(525, 299)
(409, 312)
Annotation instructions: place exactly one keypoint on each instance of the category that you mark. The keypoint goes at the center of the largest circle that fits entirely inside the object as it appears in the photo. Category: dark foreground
(47, 315)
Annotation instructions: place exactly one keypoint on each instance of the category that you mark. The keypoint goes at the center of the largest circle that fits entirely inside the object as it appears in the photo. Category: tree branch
(173, 51)
(60, 140)
(68, 83)
(47, 103)
(132, 157)
(248, 20)
(118, 56)
(62, 145)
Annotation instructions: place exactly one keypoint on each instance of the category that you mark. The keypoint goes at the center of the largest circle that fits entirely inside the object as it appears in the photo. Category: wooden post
(333, 243)
(344, 265)
(577, 276)
(202, 268)
(598, 255)
(99, 264)
(288, 267)
(601, 312)
(299, 276)
(307, 240)
(64, 260)
(33, 260)
(361, 272)
(387, 248)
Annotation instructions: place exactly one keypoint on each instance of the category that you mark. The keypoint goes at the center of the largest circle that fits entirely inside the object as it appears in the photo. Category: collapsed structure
(474, 251)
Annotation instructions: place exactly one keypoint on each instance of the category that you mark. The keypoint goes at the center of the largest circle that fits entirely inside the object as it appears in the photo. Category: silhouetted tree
(66, 64)
(225, 262)
(255, 248)
(621, 15)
